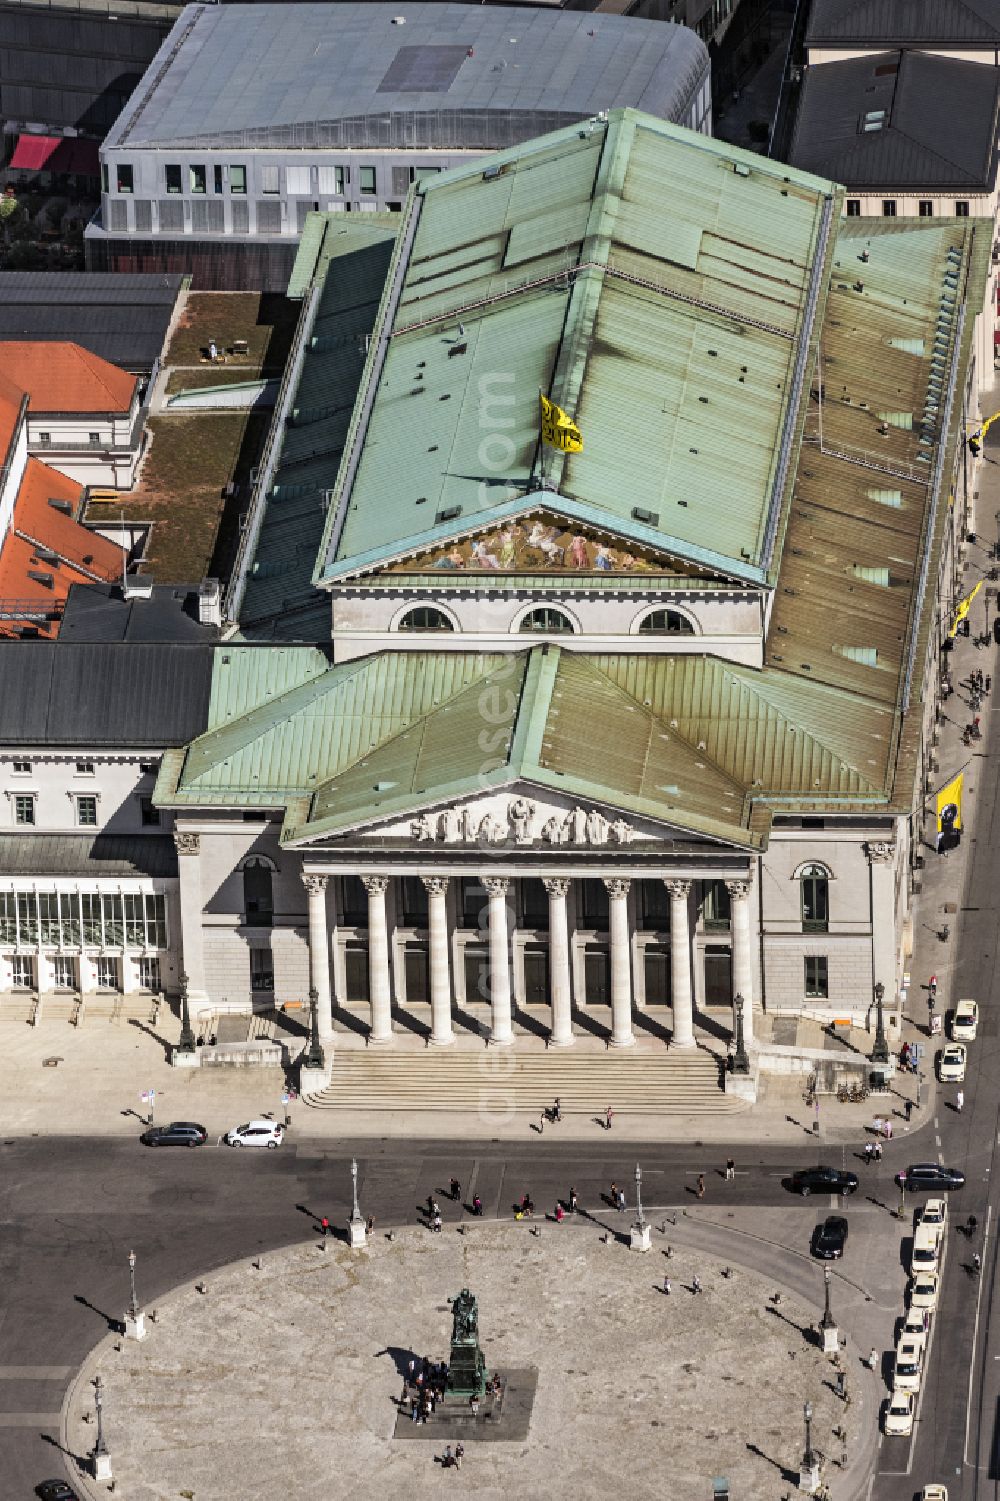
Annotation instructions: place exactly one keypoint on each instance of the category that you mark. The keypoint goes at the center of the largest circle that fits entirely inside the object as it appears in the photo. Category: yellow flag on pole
(962, 609)
(949, 805)
(558, 428)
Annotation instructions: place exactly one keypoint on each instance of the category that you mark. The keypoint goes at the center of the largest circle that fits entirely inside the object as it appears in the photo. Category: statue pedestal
(184, 1060)
(100, 1464)
(356, 1229)
(315, 1080)
(809, 1479)
(135, 1328)
(639, 1238)
(831, 1340)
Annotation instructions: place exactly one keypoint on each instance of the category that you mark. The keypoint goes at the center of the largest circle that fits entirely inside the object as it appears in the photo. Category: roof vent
(399, 20)
(60, 505)
(138, 586)
(448, 513)
(648, 518)
(46, 580)
(454, 349)
(741, 169)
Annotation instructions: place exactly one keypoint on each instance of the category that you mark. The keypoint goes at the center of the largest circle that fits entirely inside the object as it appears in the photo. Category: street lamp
(741, 1063)
(808, 1458)
(314, 1056)
(133, 1306)
(356, 1229)
(639, 1219)
(355, 1212)
(135, 1320)
(826, 1322)
(100, 1458)
(880, 1052)
(186, 1043)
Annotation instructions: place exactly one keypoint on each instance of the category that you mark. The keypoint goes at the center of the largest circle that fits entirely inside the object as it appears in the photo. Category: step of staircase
(659, 1083)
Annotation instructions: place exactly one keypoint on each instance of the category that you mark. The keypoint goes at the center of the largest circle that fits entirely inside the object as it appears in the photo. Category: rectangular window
(8, 917)
(355, 903)
(414, 902)
(91, 906)
(655, 906)
(45, 437)
(149, 814)
(888, 208)
(105, 180)
(217, 178)
(85, 768)
(22, 768)
(24, 809)
(172, 178)
(962, 208)
(367, 179)
(48, 917)
(23, 976)
(114, 920)
(475, 904)
(715, 907)
(135, 927)
(86, 812)
(854, 208)
(197, 179)
(125, 178)
(269, 182)
(925, 208)
(63, 972)
(107, 973)
(594, 905)
(156, 922)
(401, 179)
(148, 768)
(149, 974)
(298, 180)
(27, 917)
(261, 970)
(94, 439)
(69, 917)
(237, 179)
(333, 179)
(268, 218)
(817, 982)
(534, 904)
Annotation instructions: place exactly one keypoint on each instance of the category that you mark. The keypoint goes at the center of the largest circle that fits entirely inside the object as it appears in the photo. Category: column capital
(496, 885)
(617, 885)
(375, 885)
(880, 854)
(435, 885)
(739, 889)
(186, 843)
(556, 885)
(315, 885)
(679, 889)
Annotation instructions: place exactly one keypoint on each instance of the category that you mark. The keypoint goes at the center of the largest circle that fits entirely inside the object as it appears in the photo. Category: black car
(830, 1238)
(923, 1175)
(823, 1180)
(55, 1490)
(177, 1134)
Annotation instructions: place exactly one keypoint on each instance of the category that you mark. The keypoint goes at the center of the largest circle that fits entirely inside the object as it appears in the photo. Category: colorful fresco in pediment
(538, 544)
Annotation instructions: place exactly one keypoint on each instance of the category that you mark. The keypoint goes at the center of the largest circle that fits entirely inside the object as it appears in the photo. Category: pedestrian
(730, 1170)
(696, 1283)
(560, 1212)
(613, 1195)
(977, 1262)
(447, 1461)
(960, 1100)
(887, 1133)
(456, 1190)
(621, 1201)
(909, 1110)
(459, 1455)
(574, 1203)
(988, 684)
(878, 1151)
(431, 1206)
(474, 1406)
(869, 1151)
(370, 1225)
(325, 1227)
(414, 1409)
(700, 1190)
(607, 1118)
(437, 1223)
(970, 1226)
(213, 351)
(557, 1111)
(873, 1357)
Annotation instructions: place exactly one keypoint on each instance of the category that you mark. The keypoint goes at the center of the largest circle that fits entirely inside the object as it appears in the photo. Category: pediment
(541, 542)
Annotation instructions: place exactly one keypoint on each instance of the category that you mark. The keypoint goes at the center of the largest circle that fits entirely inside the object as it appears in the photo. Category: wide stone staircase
(493, 1081)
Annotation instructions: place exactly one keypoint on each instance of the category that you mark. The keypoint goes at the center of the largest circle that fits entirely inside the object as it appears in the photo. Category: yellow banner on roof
(949, 805)
(963, 607)
(558, 428)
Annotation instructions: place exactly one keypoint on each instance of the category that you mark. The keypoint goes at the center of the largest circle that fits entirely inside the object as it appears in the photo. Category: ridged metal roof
(87, 855)
(914, 23)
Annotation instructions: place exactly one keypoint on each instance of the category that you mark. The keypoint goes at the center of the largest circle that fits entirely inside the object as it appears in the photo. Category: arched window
(425, 618)
(258, 902)
(545, 618)
(814, 885)
(665, 623)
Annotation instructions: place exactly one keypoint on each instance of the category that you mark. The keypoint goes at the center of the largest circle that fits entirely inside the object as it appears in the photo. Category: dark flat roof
(100, 612)
(122, 694)
(904, 23)
(916, 136)
(123, 319)
(87, 854)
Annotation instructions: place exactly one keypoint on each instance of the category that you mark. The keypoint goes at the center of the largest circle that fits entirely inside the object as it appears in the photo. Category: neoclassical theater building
(506, 739)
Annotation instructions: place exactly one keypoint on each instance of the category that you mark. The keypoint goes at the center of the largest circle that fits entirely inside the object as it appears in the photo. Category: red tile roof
(63, 377)
(57, 154)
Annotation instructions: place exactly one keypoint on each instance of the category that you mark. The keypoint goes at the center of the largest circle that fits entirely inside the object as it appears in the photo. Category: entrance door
(597, 977)
(718, 976)
(477, 976)
(356, 972)
(415, 966)
(657, 967)
(536, 977)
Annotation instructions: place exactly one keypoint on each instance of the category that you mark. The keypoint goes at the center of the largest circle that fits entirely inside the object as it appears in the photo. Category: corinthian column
(621, 966)
(437, 890)
(188, 848)
(319, 953)
(559, 983)
(501, 1031)
(680, 965)
(739, 899)
(378, 960)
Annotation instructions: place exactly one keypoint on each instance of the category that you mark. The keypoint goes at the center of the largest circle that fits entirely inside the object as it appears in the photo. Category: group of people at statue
(423, 1387)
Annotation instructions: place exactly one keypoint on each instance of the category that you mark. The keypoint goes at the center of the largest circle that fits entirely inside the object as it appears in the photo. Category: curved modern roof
(413, 75)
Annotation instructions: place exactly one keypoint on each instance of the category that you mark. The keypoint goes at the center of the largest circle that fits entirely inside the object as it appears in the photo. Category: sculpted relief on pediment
(517, 820)
(537, 543)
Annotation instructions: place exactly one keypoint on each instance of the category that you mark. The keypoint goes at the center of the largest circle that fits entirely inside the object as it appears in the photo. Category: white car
(934, 1493)
(899, 1415)
(924, 1256)
(935, 1214)
(908, 1366)
(965, 1021)
(924, 1290)
(256, 1134)
(915, 1324)
(951, 1064)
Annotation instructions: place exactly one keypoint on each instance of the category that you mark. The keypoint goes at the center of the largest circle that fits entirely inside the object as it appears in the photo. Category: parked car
(256, 1134)
(915, 1322)
(965, 1021)
(935, 1214)
(934, 1493)
(926, 1244)
(924, 1290)
(830, 1238)
(55, 1490)
(177, 1134)
(951, 1063)
(898, 1419)
(908, 1366)
(828, 1180)
(920, 1176)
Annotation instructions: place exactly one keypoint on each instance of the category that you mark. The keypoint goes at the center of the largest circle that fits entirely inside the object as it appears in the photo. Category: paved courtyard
(283, 1381)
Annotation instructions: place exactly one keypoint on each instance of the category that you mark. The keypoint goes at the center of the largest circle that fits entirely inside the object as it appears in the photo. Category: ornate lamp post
(880, 1052)
(741, 1062)
(135, 1320)
(314, 1057)
(809, 1469)
(639, 1238)
(831, 1339)
(100, 1458)
(186, 1043)
(357, 1224)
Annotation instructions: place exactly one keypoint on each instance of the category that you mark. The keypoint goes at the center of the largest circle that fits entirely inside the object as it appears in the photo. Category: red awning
(70, 154)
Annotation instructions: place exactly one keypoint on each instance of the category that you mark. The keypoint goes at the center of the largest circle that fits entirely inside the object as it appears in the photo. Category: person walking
(700, 1190)
(877, 1150)
(456, 1190)
(696, 1283)
(886, 1132)
(869, 1152)
(557, 1111)
(730, 1170)
(447, 1461)
(607, 1118)
(574, 1203)
(459, 1455)
(666, 1286)
(960, 1100)
(437, 1223)
(872, 1359)
(325, 1227)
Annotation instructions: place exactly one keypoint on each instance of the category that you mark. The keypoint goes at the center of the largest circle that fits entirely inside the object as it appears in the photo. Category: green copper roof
(659, 285)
